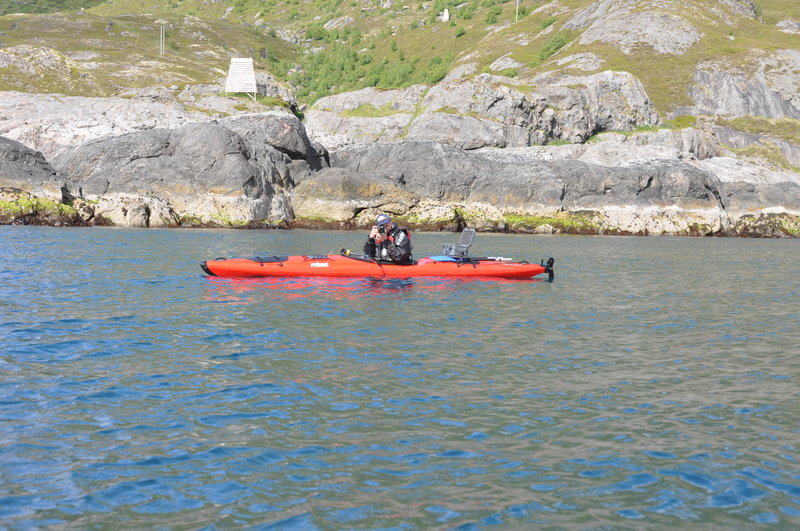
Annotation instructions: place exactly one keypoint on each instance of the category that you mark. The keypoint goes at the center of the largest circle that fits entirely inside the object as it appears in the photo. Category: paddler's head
(384, 223)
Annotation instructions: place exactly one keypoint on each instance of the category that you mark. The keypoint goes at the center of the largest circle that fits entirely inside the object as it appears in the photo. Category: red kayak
(349, 265)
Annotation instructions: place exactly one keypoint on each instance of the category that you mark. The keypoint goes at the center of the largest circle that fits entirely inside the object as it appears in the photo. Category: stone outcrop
(765, 84)
(54, 123)
(231, 172)
(486, 111)
(628, 24)
(658, 24)
(25, 169)
(433, 185)
(30, 191)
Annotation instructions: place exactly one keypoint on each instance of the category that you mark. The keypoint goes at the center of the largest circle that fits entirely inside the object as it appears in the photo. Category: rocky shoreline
(158, 164)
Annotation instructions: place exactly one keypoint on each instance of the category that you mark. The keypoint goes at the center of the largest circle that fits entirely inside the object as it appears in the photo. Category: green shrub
(316, 33)
(546, 23)
(553, 45)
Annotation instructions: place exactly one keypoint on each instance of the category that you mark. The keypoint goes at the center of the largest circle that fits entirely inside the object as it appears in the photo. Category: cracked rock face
(427, 181)
(484, 112)
(630, 23)
(207, 172)
(24, 169)
(765, 85)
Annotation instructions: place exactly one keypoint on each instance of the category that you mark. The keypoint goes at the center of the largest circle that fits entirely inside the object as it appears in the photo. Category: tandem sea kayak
(454, 262)
(349, 265)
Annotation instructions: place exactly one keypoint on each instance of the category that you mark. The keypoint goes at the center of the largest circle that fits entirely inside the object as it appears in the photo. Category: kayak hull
(333, 265)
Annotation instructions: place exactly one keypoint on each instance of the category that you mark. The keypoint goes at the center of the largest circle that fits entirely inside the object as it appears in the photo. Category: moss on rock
(768, 225)
(563, 223)
(24, 209)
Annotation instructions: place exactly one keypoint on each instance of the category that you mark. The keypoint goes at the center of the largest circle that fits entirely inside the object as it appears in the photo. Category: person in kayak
(387, 241)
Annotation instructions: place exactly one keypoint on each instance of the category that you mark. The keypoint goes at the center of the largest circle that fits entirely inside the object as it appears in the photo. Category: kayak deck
(333, 265)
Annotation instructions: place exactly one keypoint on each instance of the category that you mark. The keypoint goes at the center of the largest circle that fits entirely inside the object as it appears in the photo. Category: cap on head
(383, 219)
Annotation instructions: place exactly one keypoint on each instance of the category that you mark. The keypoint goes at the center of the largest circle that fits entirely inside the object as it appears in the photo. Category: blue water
(654, 383)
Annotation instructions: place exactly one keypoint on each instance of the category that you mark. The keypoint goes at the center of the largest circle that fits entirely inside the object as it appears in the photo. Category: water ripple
(629, 395)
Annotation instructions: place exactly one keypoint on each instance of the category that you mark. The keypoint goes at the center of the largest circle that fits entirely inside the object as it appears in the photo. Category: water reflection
(222, 289)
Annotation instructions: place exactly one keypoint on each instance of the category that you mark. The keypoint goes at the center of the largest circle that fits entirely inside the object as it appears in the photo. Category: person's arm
(369, 246)
(399, 248)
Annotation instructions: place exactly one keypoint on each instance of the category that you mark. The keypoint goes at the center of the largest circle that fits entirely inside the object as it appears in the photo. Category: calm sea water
(654, 383)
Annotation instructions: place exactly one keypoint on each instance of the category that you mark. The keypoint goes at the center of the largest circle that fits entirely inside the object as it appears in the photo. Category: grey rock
(519, 179)
(53, 123)
(283, 131)
(630, 23)
(340, 194)
(664, 32)
(765, 85)
(466, 132)
(197, 171)
(747, 8)
(732, 170)
(337, 23)
(789, 26)
(739, 139)
(582, 61)
(741, 199)
(26, 170)
(487, 111)
(655, 196)
(504, 63)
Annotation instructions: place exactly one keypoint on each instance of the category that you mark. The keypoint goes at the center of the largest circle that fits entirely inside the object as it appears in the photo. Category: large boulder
(25, 169)
(280, 130)
(30, 190)
(198, 173)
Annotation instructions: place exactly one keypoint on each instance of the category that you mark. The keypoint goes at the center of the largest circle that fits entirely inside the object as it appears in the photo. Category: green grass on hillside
(365, 44)
(99, 56)
(785, 129)
(8, 7)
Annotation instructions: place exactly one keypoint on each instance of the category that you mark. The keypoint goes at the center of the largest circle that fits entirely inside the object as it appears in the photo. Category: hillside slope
(326, 47)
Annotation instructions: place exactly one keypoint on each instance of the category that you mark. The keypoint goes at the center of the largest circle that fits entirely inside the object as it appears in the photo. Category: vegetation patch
(766, 151)
(509, 72)
(38, 210)
(567, 223)
(785, 128)
(768, 226)
(45, 6)
(546, 23)
(681, 122)
(368, 110)
(550, 47)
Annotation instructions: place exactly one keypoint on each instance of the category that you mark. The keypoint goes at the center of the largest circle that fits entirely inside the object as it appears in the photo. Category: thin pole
(161, 42)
